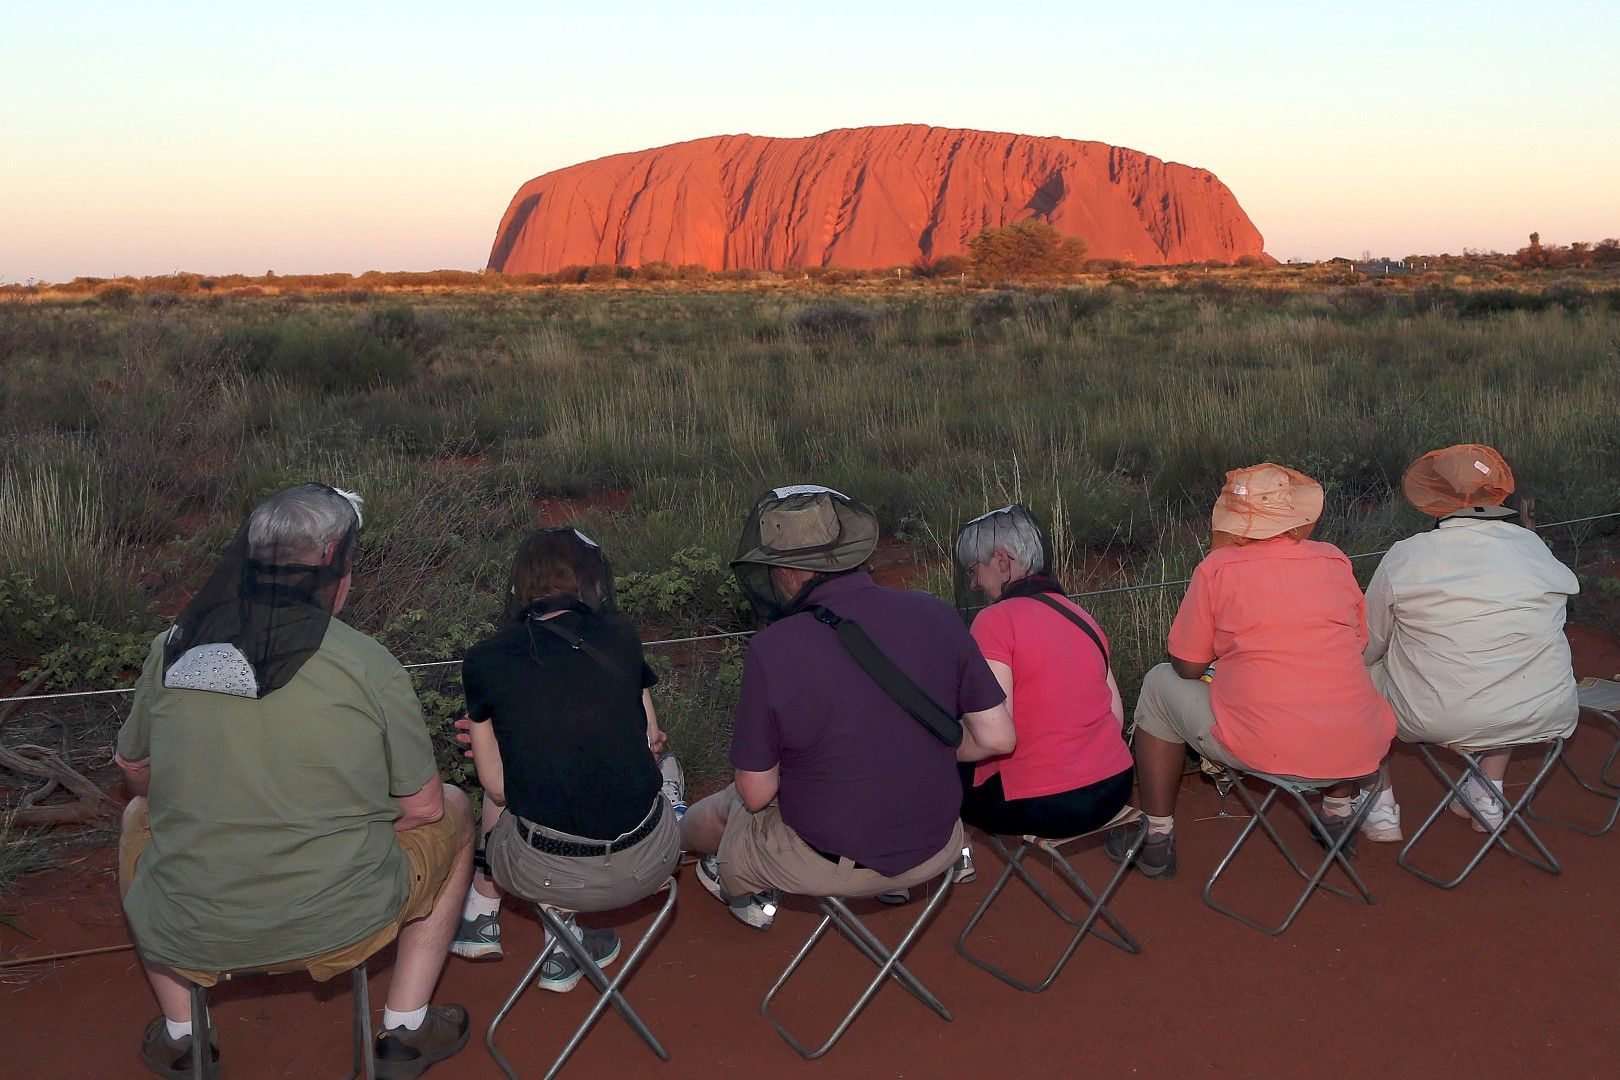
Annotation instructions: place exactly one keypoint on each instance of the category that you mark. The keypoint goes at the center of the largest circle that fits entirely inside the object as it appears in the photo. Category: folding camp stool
(1296, 788)
(1603, 698)
(1060, 865)
(835, 913)
(1513, 815)
(562, 937)
(203, 1065)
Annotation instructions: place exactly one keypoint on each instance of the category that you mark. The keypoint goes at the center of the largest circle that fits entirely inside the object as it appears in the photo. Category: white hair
(301, 522)
(1008, 529)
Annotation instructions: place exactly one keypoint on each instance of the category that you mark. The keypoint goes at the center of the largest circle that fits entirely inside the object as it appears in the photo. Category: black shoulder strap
(887, 674)
(576, 642)
(1068, 613)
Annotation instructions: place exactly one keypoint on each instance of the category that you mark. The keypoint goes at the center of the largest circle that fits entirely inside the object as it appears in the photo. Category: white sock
(410, 1021)
(478, 904)
(177, 1031)
(1335, 807)
(1160, 826)
(572, 924)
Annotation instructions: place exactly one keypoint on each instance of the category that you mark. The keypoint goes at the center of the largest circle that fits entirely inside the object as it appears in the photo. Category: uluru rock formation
(863, 198)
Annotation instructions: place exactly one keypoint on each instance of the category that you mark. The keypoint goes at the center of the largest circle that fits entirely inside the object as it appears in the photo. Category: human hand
(657, 740)
(464, 735)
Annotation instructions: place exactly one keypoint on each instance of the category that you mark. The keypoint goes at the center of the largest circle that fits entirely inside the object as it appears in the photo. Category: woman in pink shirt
(1281, 619)
(1071, 771)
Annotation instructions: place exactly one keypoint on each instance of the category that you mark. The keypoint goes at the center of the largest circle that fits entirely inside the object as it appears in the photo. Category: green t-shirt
(272, 819)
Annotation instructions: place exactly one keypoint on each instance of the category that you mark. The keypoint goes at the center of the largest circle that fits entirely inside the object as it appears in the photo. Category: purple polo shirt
(860, 776)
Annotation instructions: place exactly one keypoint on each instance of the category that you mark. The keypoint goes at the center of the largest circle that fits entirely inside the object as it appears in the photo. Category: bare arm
(1190, 669)
(423, 807)
(486, 754)
(657, 738)
(137, 774)
(1117, 704)
(987, 734)
(758, 788)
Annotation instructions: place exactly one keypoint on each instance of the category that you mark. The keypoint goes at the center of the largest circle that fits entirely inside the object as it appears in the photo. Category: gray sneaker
(479, 938)
(756, 909)
(1157, 856)
(561, 974)
(674, 782)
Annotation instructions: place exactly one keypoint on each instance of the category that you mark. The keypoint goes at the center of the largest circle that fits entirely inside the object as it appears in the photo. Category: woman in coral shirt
(1282, 620)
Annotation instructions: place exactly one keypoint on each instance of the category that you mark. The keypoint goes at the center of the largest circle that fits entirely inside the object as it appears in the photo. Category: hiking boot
(478, 938)
(1157, 856)
(964, 873)
(403, 1054)
(674, 785)
(756, 909)
(1488, 803)
(1383, 822)
(894, 897)
(166, 1056)
(560, 973)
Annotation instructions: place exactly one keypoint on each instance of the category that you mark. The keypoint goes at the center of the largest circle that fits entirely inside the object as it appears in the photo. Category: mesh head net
(1467, 479)
(1264, 501)
(1016, 531)
(802, 527)
(265, 609)
(556, 569)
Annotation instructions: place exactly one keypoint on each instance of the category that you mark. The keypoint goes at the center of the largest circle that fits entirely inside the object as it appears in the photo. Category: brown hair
(559, 562)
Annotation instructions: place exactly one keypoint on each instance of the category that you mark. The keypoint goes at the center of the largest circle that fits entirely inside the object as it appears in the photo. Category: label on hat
(1482, 467)
(1239, 489)
(805, 489)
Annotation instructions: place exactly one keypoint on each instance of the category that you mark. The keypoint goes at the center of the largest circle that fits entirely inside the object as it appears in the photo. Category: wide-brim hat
(808, 527)
(1265, 500)
(1466, 480)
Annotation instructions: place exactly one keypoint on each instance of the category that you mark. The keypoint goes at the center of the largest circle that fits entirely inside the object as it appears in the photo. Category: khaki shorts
(1177, 710)
(431, 851)
(583, 882)
(760, 851)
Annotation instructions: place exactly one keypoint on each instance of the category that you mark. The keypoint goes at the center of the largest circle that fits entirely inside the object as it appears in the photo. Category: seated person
(1467, 627)
(288, 805)
(563, 735)
(1281, 619)
(839, 790)
(1071, 771)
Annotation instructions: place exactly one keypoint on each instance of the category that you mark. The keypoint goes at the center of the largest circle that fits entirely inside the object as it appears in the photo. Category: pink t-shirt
(1286, 624)
(1062, 708)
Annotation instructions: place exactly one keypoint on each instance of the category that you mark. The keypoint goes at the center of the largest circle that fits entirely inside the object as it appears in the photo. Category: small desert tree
(1029, 250)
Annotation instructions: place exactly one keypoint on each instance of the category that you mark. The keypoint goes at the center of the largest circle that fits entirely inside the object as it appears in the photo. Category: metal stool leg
(1585, 785)
(365, 1051)
(202, 1058)
(835, 912)
(1614, 751)
(1497, 836)
(1335, 850)
(610, 991)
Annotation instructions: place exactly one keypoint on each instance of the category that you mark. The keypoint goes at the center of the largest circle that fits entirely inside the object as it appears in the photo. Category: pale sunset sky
(308, 137)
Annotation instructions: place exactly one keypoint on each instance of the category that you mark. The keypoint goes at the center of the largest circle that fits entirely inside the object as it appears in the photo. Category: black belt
(830, 857)
(575, 849)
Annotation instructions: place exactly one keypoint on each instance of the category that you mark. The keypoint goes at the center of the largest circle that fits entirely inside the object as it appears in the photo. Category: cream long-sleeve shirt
(1467, 636)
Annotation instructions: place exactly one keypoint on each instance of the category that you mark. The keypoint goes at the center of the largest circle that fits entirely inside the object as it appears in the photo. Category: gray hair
(1008, 529)
(298, 524)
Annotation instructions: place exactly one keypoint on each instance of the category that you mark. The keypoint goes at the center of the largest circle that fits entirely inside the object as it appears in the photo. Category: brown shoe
(166, 1056)
(403, 1054)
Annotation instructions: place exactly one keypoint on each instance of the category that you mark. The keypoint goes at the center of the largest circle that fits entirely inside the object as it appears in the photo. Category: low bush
(824, 322)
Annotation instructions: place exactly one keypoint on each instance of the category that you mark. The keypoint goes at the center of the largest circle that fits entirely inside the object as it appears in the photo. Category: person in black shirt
(564, 737)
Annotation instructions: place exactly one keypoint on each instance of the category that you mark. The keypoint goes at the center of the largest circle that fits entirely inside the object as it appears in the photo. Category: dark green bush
(338, 359)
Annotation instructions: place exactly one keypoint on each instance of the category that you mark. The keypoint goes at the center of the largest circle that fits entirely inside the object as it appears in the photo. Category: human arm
(133, 753)
(137, 774)
(987, 733)
(1380, 615)
(421, 807)
(1192, 634)
(1116, 703)
(657, 737)
(486, 753)
(758, 789)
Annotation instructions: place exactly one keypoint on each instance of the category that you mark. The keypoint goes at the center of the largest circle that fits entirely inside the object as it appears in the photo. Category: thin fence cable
(662, 642)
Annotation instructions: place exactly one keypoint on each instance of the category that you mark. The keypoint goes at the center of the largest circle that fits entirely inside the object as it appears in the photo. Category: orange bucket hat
(1463, 480)
(1264, 501)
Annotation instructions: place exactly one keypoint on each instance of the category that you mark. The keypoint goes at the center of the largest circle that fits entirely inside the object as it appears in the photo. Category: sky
(312, 137)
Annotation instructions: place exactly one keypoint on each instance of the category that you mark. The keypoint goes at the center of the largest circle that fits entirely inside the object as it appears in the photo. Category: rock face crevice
(864, 198)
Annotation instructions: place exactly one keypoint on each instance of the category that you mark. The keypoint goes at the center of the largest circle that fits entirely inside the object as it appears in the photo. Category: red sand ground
(1510, 975)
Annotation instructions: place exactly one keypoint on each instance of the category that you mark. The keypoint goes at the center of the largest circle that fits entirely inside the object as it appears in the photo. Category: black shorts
(1067, 813)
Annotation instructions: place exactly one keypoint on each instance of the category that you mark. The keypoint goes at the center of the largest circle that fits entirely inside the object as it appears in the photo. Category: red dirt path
(1510, 975)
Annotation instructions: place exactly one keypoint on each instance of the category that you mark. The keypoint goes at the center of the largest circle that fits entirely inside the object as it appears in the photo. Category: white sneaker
(756, 909)
(1489, 803)
(674, 785)
(1383, 822)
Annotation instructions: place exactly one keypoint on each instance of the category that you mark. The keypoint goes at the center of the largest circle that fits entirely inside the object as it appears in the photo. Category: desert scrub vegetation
(652, 417)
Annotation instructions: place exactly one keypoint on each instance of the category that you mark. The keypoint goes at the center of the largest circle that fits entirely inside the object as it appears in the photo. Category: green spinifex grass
(1113, 412)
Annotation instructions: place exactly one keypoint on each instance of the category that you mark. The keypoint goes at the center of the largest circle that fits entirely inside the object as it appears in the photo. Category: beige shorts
(1178, 710)
(760, 851)
(430, 849)
(583, 882)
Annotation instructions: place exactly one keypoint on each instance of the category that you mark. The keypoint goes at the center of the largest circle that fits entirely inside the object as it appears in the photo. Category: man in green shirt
(289, 808)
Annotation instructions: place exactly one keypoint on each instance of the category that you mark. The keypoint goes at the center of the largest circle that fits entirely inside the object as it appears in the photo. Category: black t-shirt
(573, 734)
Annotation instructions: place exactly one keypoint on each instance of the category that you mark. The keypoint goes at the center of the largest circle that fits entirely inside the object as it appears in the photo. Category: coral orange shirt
(1286, 624)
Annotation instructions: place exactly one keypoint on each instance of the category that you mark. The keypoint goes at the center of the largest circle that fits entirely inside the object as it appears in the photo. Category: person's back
(860, 777)
(1285, 622)
(1469, 620)
(272, 819)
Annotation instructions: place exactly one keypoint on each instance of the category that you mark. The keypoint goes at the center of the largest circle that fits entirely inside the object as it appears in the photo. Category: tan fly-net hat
(1265, 500)
(1463, 480)
(803, 527)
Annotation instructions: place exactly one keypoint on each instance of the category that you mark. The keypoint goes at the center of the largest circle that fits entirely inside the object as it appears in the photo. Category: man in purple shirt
(839, 790)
